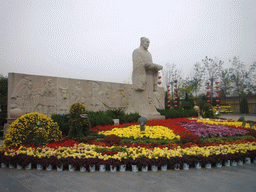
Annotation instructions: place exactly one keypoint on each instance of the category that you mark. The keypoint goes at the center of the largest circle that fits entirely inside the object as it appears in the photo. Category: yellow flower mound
(153, 132)
(225, 123)
(34, 128)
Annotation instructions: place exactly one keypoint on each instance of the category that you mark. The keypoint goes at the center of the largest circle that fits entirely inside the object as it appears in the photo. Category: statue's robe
(140, 58)
(144, 78)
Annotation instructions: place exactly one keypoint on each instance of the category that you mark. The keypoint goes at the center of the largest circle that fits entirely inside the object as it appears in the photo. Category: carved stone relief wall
(54, 95)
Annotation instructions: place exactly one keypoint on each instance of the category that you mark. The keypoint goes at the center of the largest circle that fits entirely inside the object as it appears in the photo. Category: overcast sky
(94, 39)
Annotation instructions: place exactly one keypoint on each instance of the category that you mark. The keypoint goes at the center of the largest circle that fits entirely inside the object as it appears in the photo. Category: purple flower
(206, 130)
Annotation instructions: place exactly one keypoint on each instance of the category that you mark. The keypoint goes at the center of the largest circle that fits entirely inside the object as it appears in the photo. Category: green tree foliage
(79, 127)
(213, 68)
(3, 100)
(244, 106)
(243, 80)
(225, 84)
(197, 79)
(63, 121)
(207, 111)
(187, 103)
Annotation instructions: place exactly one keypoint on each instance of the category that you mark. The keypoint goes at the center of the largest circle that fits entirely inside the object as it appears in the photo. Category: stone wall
(54, 95)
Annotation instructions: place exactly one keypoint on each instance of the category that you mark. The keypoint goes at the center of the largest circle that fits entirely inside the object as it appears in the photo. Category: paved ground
(232, 116)
(240, 178)
(235, 179)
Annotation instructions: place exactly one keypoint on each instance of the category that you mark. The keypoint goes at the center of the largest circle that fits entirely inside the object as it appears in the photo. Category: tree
(252, 77)
(225, 83)
(213, 68)
(172, 76)
(187, 103)
(170, 73)
(242, 79)
(244, 106)
(197, 79)
(3, 100)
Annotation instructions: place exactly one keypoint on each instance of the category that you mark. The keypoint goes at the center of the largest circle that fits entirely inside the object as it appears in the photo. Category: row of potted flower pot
(135, 168)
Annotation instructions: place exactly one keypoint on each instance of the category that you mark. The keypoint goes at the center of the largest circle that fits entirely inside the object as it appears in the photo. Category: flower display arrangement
(170, 142)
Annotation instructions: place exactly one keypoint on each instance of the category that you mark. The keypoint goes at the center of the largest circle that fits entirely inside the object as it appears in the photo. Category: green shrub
(207, 111)
(63, 122)
(129, 118)
(79, 127)
(201, 102)
(115, 149)
(99, 118)
(106, 118)
(115, 113)
(244, 106)
(187, 103)
(176, 113)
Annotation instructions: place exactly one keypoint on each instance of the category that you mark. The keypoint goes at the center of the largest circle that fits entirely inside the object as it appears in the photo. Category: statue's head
(144, 42)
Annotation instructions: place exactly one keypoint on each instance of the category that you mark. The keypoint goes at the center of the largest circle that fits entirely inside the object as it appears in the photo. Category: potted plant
(207, 161)
(72, 163)
(59, 163)
(39, 163)
(177, 163)
(83, 164)
(92, 162)
(113, 163)
(102, 165)
(197, 160)
(219, 159)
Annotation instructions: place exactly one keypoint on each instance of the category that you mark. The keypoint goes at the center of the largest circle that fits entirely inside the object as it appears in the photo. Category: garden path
(239, 178)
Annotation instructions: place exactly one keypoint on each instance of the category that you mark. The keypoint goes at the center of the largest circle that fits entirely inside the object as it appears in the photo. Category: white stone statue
(144, 78)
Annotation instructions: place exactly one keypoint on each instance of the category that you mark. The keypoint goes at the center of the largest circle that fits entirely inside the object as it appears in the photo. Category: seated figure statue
(144, 78)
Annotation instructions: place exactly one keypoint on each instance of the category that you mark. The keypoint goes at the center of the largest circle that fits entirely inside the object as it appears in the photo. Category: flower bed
(228, 123)
(67, 152)
(211, 130)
